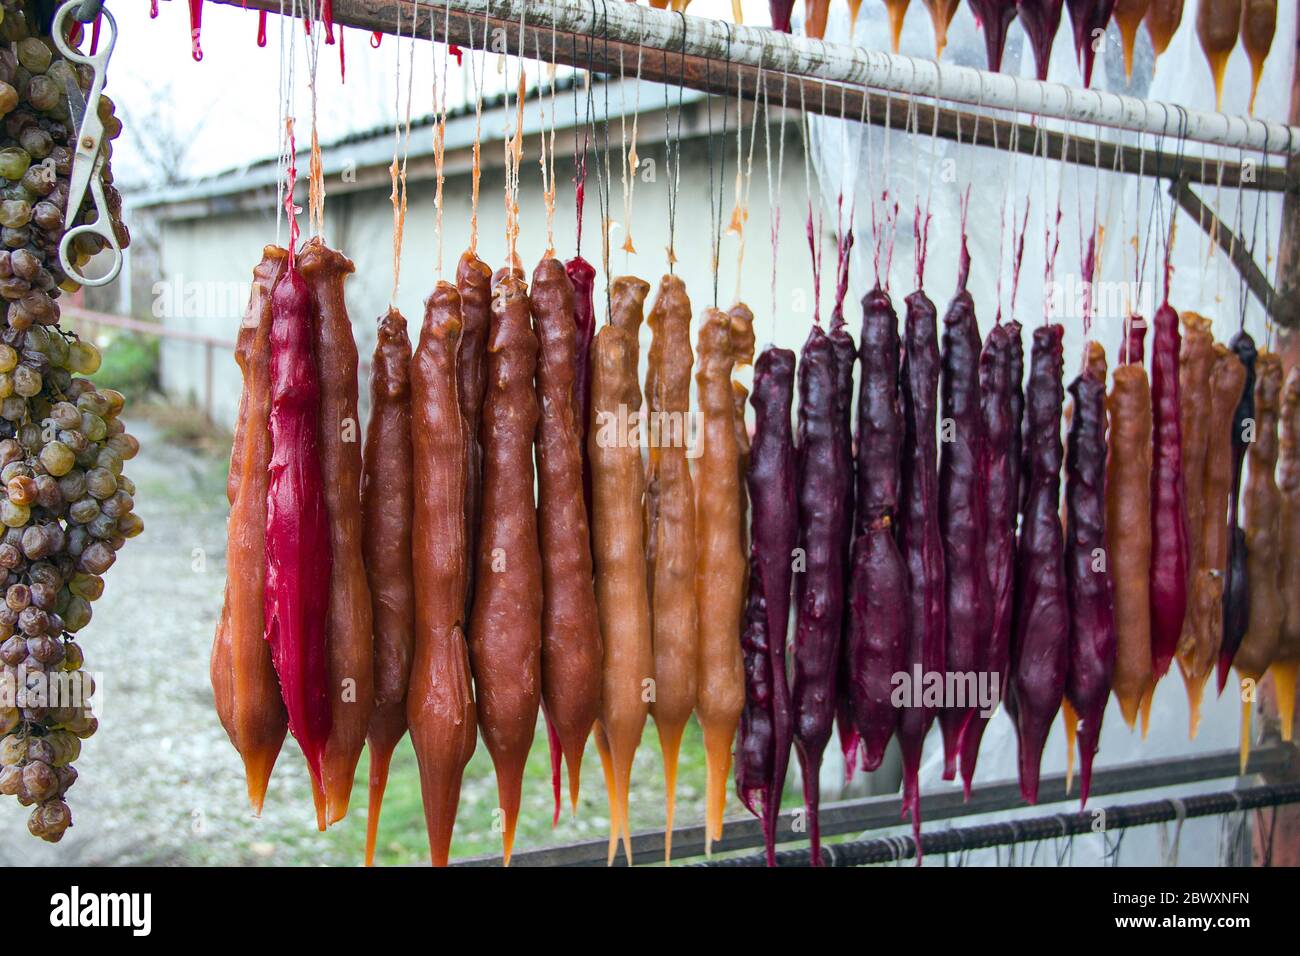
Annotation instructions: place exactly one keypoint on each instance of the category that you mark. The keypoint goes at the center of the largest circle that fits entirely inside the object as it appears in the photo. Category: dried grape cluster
(66, 507)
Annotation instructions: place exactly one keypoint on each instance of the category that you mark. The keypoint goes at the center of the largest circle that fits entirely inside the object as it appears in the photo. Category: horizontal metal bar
(720, 41)
(612, 57)
(1030, 829)
(876, 813)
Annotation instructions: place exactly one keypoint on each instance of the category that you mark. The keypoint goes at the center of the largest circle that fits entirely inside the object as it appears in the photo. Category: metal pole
(619, 21)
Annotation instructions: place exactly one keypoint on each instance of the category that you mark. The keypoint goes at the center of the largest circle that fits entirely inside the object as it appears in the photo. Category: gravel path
(160, 783)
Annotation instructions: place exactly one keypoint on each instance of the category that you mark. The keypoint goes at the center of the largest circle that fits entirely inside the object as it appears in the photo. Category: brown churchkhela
(1227, 382)
(350, 642)
(1258, 24)
(440, 698)
(386, 498)
(720, 564)
(1128, 17)
(1262, 503)
(1128, 533)
(571, 646)
(505, 625)
(742, 351)
(243, 677)
(1162, 19)
(670, 529)
(1196, 365)
(1217, 23)
(474, 286)
(1288, 651)
(621, 580)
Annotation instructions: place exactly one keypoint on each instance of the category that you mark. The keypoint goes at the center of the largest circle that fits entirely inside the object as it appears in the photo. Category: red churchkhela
(1169, 544)
(1041, 19)
(298, 554)
(994, 18)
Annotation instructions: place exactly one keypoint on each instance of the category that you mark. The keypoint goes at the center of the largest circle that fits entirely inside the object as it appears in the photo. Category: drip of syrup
(94, 35)
(963, 257)
(327, 15)
(153, 9)
(196, 25)
(457, 52)
(261, 28)
(376, 38)
(343, 67)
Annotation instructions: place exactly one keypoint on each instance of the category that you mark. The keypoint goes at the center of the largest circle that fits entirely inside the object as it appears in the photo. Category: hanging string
(285, 163)
(715, 187)
(440, 126)
(513, 145)
(673, 147)
(773, 190)
(631, 160)
(398, 174)
(547, 159)
(316, 176)
(581, 140)
(602, 159)
(478, 78)
(740, 216)
(814, 234)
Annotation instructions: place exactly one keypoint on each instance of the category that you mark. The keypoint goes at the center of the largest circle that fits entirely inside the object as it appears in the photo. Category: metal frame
(1275, 760)
(718, 41)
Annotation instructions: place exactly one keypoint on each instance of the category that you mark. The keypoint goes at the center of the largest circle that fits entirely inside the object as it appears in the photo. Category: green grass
(130, 365)
(402, 839)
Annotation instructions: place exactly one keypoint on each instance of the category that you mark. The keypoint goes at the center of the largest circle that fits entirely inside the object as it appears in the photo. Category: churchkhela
(386, 507)
(1217, 25)
(670, 530)
(440, 698)
(1087, 574)
(1287, 661)
(720, 564)
(1040, 653)
(766, 731)
(571, 644)
(505, 640)
(349, 639)
(1262, 505)
(1236, 583)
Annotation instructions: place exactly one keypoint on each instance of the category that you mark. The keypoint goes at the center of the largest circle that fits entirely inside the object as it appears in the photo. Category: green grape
(92, 426)
(88, 586)
(15, 213)
(109, 460)
(126, 484)
(130, 525)
(8, 358)
(14, 515)
(84, 510)
(57, 351)
(77, 614)
(31, 437)
(58, 458)
(72, 486)
(116, 400)
(83, 358)
(27, 381)
(34, 55)
(93, 403)
(13, 408)
(65, 415)
(6, 384)
(101, 483)
(126, 446)
(103, 526)
(13, 163)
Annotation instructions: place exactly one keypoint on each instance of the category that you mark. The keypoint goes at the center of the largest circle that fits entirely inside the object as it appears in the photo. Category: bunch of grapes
(65, 506)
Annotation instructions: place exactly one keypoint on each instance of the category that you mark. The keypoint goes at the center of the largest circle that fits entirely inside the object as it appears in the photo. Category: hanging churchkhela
(386, 514)
(766, 729)
(962, 526)
(670, 530)
(571, 644)
(1262, 505)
